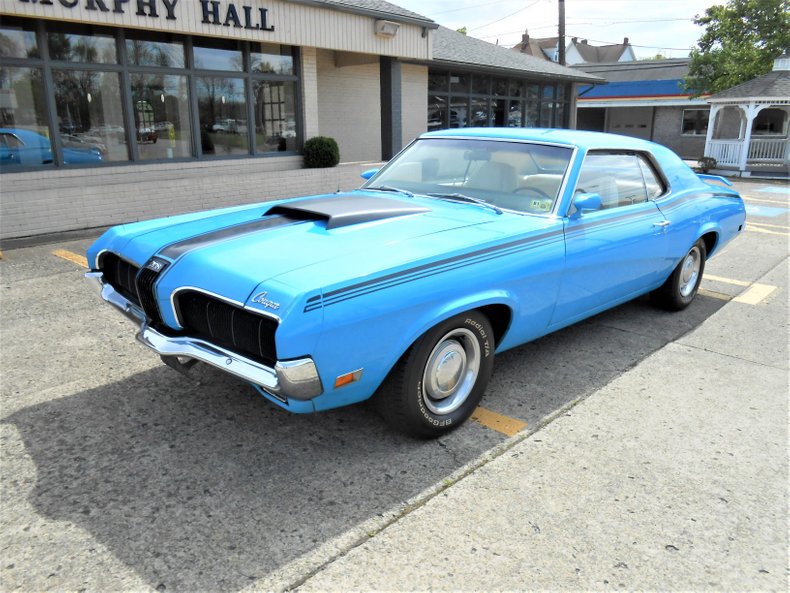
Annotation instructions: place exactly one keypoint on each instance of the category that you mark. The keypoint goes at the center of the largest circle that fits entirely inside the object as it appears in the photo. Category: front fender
(442, 311)
(366, 337)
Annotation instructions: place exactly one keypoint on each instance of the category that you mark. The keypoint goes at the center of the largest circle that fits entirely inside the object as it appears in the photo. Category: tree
(462, 30)
(741, 40)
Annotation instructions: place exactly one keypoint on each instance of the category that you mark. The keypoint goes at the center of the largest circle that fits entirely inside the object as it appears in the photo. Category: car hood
(303, 246)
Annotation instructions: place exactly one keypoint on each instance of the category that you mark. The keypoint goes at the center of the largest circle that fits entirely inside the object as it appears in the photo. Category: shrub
(706, 163)
(321, 151)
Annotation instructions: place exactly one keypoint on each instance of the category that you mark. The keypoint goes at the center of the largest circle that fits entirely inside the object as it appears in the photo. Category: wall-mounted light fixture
(385, 28)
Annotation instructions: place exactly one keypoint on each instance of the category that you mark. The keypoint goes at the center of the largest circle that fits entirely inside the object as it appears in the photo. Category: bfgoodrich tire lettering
(682, 285)
(440, 380)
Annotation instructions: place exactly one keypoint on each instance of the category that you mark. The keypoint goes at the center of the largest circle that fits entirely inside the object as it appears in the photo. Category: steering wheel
(539, 192)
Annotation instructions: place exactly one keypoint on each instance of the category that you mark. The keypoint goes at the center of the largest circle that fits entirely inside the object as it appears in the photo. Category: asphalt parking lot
(120, 474)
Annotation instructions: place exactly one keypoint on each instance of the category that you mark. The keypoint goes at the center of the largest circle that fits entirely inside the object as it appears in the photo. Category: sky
(653, 27)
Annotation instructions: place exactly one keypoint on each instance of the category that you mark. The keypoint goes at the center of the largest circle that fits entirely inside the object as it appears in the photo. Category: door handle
(662, 224)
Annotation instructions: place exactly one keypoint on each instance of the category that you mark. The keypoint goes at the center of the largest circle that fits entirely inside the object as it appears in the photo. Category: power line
(476, 6)
(506, 16)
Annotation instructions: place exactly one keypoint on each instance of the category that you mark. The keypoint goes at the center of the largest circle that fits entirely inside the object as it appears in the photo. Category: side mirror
(586, 201)
(368, 174)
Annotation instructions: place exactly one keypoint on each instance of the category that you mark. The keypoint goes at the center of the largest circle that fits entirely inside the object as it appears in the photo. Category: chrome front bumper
(294, 379)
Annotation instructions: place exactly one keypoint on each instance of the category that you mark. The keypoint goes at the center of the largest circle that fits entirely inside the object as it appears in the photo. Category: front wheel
(440, 380)
(682, 286)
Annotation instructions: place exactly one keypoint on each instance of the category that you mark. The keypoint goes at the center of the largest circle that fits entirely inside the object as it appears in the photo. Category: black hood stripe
(176, 250)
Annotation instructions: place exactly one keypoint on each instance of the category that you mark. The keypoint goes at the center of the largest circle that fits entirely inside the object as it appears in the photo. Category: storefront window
(437, 81)
(161, 116)
(89, 112)
(499, 87)
(25, 139)
(18, 42)
(459, 83)
(515, 116)
(482, 100)
(480, 84)
(164, 54)
(275, 116)
(480, 116)
(271, 58)
(218, 56)
(222, 108)
(459, 112)
(93, 49)
(532, 113)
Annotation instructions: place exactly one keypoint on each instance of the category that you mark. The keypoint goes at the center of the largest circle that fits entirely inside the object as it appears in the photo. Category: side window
(616, 177)
(655, 187)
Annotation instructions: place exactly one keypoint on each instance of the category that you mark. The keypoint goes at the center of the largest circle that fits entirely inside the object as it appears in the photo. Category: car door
(617, 252)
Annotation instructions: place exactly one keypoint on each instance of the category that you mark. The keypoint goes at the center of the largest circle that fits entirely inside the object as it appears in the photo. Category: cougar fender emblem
(261, 299)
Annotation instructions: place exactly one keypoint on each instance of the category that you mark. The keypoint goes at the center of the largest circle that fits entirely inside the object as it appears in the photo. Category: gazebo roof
(771, 87)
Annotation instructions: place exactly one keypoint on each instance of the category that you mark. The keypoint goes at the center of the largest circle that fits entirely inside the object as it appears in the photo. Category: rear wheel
(440, 380)
(682, 286)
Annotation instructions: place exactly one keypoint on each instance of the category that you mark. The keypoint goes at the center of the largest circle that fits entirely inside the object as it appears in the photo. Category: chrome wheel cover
(689, 271)
(451, 371)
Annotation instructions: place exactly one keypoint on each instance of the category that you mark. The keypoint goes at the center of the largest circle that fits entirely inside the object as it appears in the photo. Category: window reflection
(222, 108)
(271, 58)
(18, 42)
(275, 116)
(218, 57)
(24, 136)
(163, 54)
(161, 116)
(89, 112)
(95, 48)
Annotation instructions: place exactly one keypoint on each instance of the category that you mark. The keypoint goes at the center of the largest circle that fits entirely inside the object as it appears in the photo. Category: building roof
(374, 8)
(454, 48)
(774, 85)
(536, 46)
(639, 70)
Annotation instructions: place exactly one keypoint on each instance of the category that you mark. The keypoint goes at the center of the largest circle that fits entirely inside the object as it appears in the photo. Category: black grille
(145, 289)
(230, 327)
(120, 275)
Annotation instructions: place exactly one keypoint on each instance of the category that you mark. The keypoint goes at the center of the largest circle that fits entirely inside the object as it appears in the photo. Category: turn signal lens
(348, 378)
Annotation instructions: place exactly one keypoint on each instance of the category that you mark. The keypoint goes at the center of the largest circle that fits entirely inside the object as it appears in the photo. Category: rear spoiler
(705, 177)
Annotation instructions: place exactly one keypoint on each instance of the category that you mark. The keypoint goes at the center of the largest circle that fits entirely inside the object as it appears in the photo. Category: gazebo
(748, 124)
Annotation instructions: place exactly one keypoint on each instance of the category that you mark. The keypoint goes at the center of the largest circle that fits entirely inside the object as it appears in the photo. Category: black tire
(682, 285)
(438, 382)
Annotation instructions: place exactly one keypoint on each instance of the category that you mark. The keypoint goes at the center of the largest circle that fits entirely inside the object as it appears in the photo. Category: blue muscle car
(468, 243)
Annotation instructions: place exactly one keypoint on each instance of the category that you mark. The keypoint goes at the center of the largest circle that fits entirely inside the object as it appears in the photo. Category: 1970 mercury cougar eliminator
(468, 243)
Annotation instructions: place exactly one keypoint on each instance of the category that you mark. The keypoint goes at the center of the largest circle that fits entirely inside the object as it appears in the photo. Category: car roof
(21, 132)
(580, 138)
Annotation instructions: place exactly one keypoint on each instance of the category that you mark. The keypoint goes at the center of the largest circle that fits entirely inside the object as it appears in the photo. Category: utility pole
(561, 34)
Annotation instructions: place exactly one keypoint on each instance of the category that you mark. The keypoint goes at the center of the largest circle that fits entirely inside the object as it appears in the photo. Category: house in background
(645, 99)
(748, 129)
(576, 52)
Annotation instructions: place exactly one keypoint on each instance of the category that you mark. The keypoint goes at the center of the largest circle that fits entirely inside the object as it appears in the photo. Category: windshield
(511, 175)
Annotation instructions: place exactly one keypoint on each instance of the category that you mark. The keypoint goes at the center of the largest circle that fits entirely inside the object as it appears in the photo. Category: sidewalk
(684, 488)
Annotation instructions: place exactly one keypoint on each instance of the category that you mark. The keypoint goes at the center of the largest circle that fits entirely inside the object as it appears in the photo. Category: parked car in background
(21, 147)
(83, 143)
(468, 243)
(147, 134)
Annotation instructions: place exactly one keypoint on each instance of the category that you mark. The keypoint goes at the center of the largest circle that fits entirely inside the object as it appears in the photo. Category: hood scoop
(345, 210)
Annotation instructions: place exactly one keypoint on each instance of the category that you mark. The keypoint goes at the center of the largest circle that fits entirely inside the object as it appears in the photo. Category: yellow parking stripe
(755, 294)
(752, 229)
(770, 226)
(713, 294)
(72, 257)
(499, 422)
(726, 280)
(749, 199)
